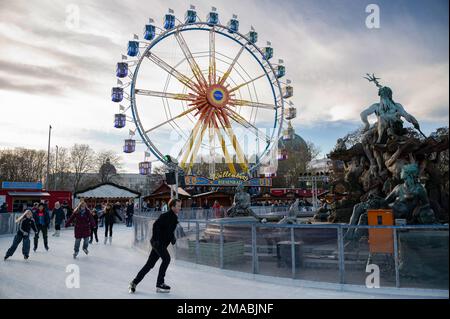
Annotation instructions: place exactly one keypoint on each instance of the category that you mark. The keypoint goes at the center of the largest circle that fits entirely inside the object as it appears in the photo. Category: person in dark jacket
(42, 220)
(94, 229)
(163, 234)
(59, 216)
(84, 222)
(109, 216)
(26, 223)
(4, 208)
(67, 210)
(130, 213)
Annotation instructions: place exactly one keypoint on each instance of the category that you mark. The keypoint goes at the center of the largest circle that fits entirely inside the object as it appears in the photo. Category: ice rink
(108, 269)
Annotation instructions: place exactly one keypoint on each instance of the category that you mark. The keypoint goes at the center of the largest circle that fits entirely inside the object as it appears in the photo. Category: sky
(58, 70)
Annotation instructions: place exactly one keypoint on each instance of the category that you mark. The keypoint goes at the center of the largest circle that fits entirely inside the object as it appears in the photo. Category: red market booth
(16, 194)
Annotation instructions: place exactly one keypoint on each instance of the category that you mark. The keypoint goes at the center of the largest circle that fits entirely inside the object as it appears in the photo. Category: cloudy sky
(54, 71)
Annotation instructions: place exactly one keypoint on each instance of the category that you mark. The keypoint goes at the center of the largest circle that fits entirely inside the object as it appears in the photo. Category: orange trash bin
(381, 240)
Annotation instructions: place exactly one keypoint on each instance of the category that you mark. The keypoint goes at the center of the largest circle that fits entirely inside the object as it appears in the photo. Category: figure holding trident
(389, 123)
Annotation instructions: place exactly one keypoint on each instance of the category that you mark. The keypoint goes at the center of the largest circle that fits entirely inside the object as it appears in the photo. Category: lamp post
(173, 163)
(48, 157)
(56, 169)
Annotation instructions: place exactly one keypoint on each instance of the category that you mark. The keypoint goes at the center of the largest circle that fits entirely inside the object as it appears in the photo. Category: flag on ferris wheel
(234, 16)
(192, 7)
(119, 82)
(121, 107)
(135, 36)
(124, 57)
(252, 28)
(281, 61)
(171, 11)
(131, 133)
(147, 154)
(151, 20)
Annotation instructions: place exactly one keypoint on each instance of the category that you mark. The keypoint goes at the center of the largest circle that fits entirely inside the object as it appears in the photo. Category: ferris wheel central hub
(217, 95)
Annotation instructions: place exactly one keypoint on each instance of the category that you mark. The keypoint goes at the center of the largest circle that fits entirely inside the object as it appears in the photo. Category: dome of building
(107, 168)
(292, 142)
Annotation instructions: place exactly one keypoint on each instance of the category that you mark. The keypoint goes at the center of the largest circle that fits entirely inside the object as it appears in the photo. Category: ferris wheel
(201, 91)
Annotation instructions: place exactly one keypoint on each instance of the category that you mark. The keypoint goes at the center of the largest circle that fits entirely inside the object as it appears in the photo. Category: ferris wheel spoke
(246, 83)
(197, 144)
(172, 71)
(173, 118)
(189, 145)
(234, 102)
(212, 56)
(230, 68)
(224, 149)
(175, 96)
(234, 141)
(188, 55)
(242, 121)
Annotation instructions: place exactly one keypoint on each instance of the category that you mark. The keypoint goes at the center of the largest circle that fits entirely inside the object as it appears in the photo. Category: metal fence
(8, 224)
(391, 256)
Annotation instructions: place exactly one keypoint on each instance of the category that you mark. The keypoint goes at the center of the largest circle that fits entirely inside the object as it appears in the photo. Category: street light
(48, 157)
(173, 162)
(56, 168)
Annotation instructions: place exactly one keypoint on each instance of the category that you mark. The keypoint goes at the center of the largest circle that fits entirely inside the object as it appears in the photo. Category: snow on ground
(108, 269)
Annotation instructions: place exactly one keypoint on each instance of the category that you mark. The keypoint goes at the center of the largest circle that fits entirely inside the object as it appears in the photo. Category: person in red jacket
(84, 222)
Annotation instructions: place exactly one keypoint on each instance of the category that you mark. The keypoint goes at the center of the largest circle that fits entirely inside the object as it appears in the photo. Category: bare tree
(22, 165)
(160, 170)
(82, 159)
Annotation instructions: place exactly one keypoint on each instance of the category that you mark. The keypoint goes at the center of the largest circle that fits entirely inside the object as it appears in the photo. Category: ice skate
(75, 255)
(86, 251)
(132, 288)
(163, 288)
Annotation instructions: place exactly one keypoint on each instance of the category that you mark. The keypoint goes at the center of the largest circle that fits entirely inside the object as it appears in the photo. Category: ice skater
(42, 220)
(163, 234)
(109, 216)
(94, 229)
(26, 223)
(84, 222)
(59, 216)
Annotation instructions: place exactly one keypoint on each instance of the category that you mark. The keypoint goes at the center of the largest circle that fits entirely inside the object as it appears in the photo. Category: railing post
(397, 275)
(189, 221)
(221, 246)
(254, 251)
(341, 255)
(197, 242)
(293, 252)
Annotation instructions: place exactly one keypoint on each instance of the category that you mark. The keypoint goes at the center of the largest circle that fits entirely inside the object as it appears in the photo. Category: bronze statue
(241, 204)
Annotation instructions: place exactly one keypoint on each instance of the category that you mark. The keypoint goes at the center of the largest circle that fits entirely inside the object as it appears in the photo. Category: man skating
(163, 235)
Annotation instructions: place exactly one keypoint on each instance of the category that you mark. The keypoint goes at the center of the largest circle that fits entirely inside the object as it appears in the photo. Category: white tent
(106, 191)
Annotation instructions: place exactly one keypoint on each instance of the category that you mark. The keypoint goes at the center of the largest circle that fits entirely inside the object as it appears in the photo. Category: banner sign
(192, 180)
(21, 185)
